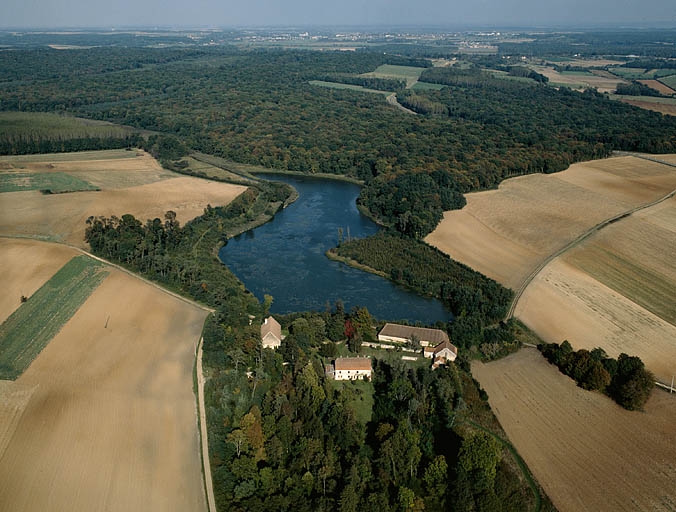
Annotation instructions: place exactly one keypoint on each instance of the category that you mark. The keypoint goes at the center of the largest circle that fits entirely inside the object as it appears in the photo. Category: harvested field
(586, 452)
(506, 233)
(30, 269)
(578, 80)
(130, 185)
(565, 303)
(105, 417)
(664, 108)
(658, 86)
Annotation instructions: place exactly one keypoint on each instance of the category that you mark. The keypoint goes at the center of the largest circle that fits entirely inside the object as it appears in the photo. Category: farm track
(208, 482)
(522, 288)
(392, 100)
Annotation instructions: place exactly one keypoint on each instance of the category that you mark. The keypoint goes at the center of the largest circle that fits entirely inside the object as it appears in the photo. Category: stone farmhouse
(396, 333)
(271, 333)
(444, 352)
(350, 368)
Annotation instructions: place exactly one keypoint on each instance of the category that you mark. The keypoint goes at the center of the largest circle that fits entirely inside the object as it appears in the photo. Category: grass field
(670, 81)
(587, 453)
(54, 182)
(408, 73)
(362, 401)
(349, 87)
(209, 170)
(426, 86)
(30, 328)
(54, 126)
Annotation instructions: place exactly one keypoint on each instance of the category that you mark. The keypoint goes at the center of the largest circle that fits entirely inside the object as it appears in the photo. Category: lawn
(54, 182)
(30, 328)
(361, 400)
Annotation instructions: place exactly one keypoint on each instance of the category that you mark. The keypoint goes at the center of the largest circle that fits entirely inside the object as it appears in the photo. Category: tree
(478, 459)
(238, 438)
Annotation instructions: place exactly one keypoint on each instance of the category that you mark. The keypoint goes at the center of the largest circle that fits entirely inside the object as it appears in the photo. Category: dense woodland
(625, 379)
(476, 301)
(258, 107)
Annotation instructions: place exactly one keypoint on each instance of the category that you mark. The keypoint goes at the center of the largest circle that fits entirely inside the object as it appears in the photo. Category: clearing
(130, 182)
(105, 417)
(586, 451)
(410, 74)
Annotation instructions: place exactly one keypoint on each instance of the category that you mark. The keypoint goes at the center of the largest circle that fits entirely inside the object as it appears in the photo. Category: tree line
(625, 379)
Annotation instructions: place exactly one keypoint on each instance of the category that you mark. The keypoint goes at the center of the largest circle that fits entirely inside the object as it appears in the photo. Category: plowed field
(588, 453)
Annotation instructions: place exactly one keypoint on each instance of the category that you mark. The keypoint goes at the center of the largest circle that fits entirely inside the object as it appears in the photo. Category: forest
(258, 107)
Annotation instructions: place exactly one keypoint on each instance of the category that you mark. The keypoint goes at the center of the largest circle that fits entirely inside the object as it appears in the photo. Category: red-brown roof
(446, 344)
(353, 363)
(433, 336)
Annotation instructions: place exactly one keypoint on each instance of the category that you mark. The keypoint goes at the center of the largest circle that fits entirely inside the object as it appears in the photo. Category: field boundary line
(580, 238)
(204, 440)
(118, 267)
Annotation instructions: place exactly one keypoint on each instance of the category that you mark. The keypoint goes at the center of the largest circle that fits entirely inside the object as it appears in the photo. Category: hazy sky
(227, 13)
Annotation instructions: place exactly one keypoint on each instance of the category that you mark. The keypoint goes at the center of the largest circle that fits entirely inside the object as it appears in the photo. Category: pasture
(588, 453)
(104, 418)
(408, 73)
(669, 81)
(29, 329)
(130, 184)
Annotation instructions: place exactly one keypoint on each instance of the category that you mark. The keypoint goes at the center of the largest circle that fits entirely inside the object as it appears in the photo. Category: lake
(286, 257)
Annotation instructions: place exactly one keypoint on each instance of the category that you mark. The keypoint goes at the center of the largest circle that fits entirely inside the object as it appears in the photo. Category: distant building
(397, 333)
(351, 368)
(271, 333)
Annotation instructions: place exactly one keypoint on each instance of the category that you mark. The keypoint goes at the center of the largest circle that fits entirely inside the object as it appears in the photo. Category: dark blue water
(285, 257)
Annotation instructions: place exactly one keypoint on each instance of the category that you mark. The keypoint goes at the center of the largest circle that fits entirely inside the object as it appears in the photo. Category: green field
(54, 182)
(669, 81)
(338, 85)
(54, 126)
(30, 328)
(408, 73)
(426, 86)
(361, 397)
(80, 156)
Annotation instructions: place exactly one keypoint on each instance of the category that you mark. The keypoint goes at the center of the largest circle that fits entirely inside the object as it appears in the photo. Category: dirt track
(588, 453)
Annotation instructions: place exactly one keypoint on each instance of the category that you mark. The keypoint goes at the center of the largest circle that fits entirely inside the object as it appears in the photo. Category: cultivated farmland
(614, 290)
(579, 79)
(28, 329)
(408, 73)
(658, 86)
(133, 184)
(588, 453)
(104, 418)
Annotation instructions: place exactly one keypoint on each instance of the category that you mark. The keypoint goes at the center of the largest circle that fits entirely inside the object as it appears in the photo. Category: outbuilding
(351, 368)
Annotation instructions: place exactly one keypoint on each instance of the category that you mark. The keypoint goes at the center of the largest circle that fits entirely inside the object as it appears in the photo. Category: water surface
(285, 257)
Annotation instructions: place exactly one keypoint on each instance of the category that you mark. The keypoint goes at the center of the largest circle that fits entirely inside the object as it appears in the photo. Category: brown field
(506, 233)
(586, 452)
(565, 303)
(136, 185)
(663, 108)
(658, 86)
(580, 80)
(28, 272)
(105, 417)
